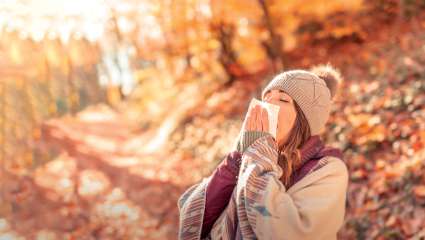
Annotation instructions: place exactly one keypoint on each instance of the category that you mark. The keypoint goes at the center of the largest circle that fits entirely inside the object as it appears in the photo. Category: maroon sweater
(223, 180)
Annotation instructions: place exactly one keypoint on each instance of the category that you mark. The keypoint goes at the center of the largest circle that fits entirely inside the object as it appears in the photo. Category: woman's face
(287, 113)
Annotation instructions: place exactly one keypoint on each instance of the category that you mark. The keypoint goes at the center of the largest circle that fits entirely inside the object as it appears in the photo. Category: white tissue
(273, 113)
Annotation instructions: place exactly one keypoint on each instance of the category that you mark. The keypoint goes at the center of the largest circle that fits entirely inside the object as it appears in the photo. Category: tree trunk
(273, 49)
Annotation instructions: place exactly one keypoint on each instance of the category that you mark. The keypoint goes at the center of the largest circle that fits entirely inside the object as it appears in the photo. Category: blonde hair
(289, 154)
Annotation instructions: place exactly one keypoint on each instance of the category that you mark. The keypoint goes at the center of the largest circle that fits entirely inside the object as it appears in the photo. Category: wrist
(248, 137)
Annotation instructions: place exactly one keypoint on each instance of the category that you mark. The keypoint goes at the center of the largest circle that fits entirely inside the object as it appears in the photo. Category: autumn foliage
(105, 119)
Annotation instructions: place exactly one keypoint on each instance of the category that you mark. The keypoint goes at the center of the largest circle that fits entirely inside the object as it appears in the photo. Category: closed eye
(283, 100)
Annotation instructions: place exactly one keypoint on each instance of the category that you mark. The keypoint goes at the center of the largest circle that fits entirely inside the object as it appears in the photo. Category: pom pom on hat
(330, 75)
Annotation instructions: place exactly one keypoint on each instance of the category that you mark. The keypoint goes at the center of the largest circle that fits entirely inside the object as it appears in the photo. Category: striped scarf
(236, 221)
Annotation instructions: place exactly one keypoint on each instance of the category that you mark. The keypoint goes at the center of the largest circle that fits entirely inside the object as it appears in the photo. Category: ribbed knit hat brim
(309, 91)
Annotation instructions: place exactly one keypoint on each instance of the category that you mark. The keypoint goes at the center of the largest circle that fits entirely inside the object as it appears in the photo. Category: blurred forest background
(110, 109)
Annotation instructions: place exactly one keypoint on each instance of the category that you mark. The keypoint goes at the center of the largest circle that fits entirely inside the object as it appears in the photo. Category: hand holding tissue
(272, 113)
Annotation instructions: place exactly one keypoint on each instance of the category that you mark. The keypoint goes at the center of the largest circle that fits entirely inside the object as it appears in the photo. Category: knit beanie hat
(312, 90)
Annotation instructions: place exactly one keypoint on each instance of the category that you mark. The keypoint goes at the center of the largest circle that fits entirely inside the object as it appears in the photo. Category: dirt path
(101, 186)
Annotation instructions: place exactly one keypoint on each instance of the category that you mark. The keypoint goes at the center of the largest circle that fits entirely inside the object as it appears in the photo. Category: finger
(248, 122)
(251, 107)
(265, 119)
(260, 118)
(258, 125)
(245, 120)
(247, 116)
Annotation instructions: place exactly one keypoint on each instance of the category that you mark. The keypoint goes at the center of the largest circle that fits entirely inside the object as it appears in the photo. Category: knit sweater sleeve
(219, 190)
(269, 211)
(223, 180)
(247, 137)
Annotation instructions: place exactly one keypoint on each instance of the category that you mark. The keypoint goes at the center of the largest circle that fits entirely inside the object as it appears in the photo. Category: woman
(291, 187)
